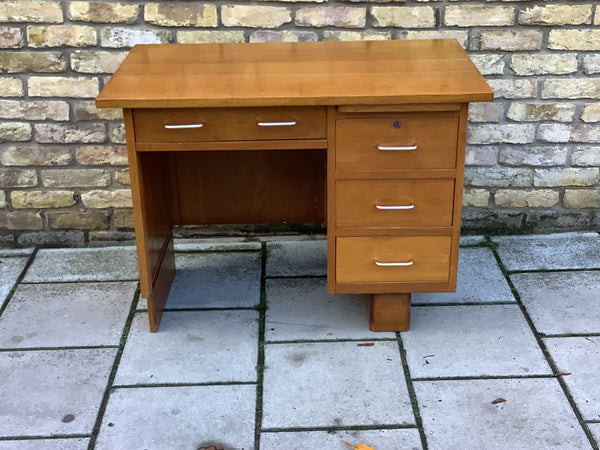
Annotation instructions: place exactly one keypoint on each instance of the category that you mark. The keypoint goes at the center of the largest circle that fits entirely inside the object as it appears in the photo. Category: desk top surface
(299, 73)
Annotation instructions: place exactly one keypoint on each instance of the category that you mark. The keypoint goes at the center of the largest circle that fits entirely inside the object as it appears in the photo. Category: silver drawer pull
(394, 264)
(396, 148)
(186, 126)
(404, 207)
(277, 124)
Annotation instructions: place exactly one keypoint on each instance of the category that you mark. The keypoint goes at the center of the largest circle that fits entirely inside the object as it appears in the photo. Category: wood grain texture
(458, 193)
(331, 200)
(433, 135)
(389, 312)
(239, 187)
(298, 73)
(297, 144)
(430, 200)
(151, 197)
(229, 124)
(357, 257)
(389, 93)
(161, 284)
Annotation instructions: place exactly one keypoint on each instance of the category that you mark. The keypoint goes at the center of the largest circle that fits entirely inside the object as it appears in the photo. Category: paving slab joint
(411, 392)
(113, 372)
(538, 336)
(260, 362)
(18, 280)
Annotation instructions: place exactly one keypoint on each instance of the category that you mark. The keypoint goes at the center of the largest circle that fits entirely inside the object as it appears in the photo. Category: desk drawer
(229, 124)
(393, 259)
(394, 203)
(396, 143)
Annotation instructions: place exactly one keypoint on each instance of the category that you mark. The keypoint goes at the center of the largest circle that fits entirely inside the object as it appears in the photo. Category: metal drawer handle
(394, 264)
(184, 126)
(277, 124)
(411, 206)
(396, 148)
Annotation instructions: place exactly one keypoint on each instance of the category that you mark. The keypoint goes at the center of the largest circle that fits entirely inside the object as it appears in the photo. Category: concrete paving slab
(52, 391)
(301, 309)
(46, 444)
(334, 385)
(405, 439)
(579, 357)
(8, 252)
(191, 347)
(10, 270)
(215, 245)
(66, 314)
(83, 264)
(471, 240)
(595, 429)
(550, 251)
(479, 280)
(459, 414)
(182, 417)
(214, 280)
(453, 341)
(562, 302)
(296, 258)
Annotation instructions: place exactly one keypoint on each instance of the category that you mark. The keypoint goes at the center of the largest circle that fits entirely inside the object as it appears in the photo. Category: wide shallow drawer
(229, 124)
(394, 203)
(396, 143)
(393, 259)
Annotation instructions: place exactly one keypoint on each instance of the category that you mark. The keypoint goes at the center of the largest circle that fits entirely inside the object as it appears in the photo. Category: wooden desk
(367, 136)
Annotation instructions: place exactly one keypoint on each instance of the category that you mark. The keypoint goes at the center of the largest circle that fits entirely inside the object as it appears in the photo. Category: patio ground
(252, 353)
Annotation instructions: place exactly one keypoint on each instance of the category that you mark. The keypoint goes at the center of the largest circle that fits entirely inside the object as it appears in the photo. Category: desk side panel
(331, 200)
(151, 197)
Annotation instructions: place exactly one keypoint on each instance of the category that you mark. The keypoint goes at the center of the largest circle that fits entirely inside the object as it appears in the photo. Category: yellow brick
(476, 197)
(31, 11)
(103, 12)
(177, 15)
(540, 198)
(11, 87)
(473, 15)
(209, 36)
(60, 35)
(403, 16)
(581, 198)
(63, 87)
(556, 15)
(42, 199)
(119, 198)
(331, 16)
(255, 16)
(574, 40)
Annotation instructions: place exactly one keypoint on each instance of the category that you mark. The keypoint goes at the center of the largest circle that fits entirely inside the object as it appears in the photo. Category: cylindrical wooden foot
(389, 312)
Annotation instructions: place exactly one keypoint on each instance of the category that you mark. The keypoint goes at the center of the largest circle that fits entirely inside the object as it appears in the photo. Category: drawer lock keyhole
(397, 124)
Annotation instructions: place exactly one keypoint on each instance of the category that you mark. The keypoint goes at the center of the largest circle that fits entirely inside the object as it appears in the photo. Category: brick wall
(533, 154)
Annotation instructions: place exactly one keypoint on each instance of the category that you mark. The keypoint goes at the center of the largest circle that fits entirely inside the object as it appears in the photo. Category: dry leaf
(359, 446)
(498, 400)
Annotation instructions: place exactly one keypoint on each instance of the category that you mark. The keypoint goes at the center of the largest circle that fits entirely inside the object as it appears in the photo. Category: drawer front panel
(394, 203)
(229, 124)
(393, 259)
(400, 143)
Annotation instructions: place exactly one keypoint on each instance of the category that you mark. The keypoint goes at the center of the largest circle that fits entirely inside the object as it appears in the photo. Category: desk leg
(153, 220)
(389, 312)
(164, 272)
